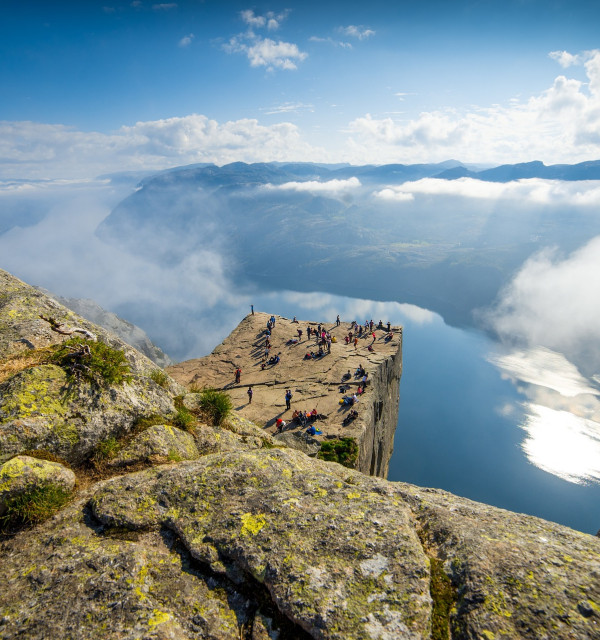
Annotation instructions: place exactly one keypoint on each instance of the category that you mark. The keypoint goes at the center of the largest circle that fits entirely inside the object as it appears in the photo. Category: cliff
(167, 526)
(315, 383)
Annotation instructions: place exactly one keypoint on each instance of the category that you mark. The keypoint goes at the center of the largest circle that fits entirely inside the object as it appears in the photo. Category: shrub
(344, 451)
(160, 377)
(216, 404)
(94, 361)
(33, 506)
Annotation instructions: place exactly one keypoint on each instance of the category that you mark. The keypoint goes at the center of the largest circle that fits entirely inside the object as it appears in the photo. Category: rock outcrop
(315, 383)
(252, 540)
(40, 406)
(215, 547)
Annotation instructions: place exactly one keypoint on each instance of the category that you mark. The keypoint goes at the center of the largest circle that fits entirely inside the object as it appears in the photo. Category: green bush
(33, 506)
(94, 361)
(160, 377)
(216, 404)
(344, 451)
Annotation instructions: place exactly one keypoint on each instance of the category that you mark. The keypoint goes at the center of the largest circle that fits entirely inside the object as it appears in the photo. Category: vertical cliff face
(376, 442)
(316, 383)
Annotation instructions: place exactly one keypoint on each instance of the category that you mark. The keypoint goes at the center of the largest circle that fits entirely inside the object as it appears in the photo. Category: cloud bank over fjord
(531, 190)
(553, 302)
(332, 187)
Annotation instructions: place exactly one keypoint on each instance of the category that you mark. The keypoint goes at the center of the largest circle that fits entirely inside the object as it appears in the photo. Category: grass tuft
(215, 404)
(34, 506)
(160, 377)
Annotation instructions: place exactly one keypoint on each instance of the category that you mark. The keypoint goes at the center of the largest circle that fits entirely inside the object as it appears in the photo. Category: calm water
(516, 430)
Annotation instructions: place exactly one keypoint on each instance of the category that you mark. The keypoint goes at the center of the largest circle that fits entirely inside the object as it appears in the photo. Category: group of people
(323, 340)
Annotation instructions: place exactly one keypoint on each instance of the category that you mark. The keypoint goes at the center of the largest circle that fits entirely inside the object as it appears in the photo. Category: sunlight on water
(562, 413)
(563, 444)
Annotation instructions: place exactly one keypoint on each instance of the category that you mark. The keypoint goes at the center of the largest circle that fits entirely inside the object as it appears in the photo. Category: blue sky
(90, 87)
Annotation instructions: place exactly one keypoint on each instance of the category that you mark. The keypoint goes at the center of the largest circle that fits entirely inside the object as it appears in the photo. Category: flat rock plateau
(315, 383)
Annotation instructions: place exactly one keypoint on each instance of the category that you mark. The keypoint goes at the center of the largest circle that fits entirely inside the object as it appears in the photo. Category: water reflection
(562, 413)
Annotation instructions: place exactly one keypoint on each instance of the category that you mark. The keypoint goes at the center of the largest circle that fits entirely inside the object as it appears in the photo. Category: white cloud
(359, 32)
(252, 20)
(270, 20)
(186, 41)
(532, 190)
(289, 107)
(264, 52)
(553, 301)
(335, 43)
(394, 194)
(268, 53)
(562, 124)
(313, 186)
(164, 6)
(564, 58)
(34, 150)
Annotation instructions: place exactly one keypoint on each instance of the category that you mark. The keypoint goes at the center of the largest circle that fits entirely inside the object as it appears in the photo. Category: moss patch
(344, 451)
(444, 596)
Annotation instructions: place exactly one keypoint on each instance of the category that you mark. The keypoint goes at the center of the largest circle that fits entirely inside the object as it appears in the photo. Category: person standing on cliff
(288, 399)
(252, 308)
(337, 321)
(250, 393)
(238, 375)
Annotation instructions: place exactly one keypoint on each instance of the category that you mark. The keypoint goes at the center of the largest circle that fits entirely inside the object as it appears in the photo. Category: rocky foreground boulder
(272, 543)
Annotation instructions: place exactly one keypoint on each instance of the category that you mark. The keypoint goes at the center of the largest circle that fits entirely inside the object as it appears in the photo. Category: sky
(91, 87)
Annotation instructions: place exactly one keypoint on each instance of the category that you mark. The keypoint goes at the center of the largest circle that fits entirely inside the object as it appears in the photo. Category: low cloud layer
(333, 187)
(532, 190)
(553, 301)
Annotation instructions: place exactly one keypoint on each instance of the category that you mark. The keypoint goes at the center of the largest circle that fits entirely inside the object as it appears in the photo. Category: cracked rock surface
(270, 540)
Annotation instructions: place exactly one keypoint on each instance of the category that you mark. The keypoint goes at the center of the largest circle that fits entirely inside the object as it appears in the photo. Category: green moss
(107, 449)
(94, 361)
(443, 595)
(344, 451)
(34, 506)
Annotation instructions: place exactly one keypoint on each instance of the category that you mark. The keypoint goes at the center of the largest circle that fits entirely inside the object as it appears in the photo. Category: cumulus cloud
(584, 193)
(265, 52)
(35, 150)
(270, 20)
(564, 58)
(164, 6)
(562, 124)
(314, 186)
(354, 31)
(261, 51)
(553, 302)
(186, 41)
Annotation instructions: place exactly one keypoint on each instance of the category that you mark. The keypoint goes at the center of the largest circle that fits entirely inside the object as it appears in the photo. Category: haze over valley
(431, 164)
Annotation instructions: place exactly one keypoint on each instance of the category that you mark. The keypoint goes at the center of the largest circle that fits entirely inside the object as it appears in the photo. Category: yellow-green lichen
(158, 617)
(252, 524)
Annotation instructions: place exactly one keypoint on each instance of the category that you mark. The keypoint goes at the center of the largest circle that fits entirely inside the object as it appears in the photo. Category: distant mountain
(447, 254)
(508, 172)
(128, 332)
